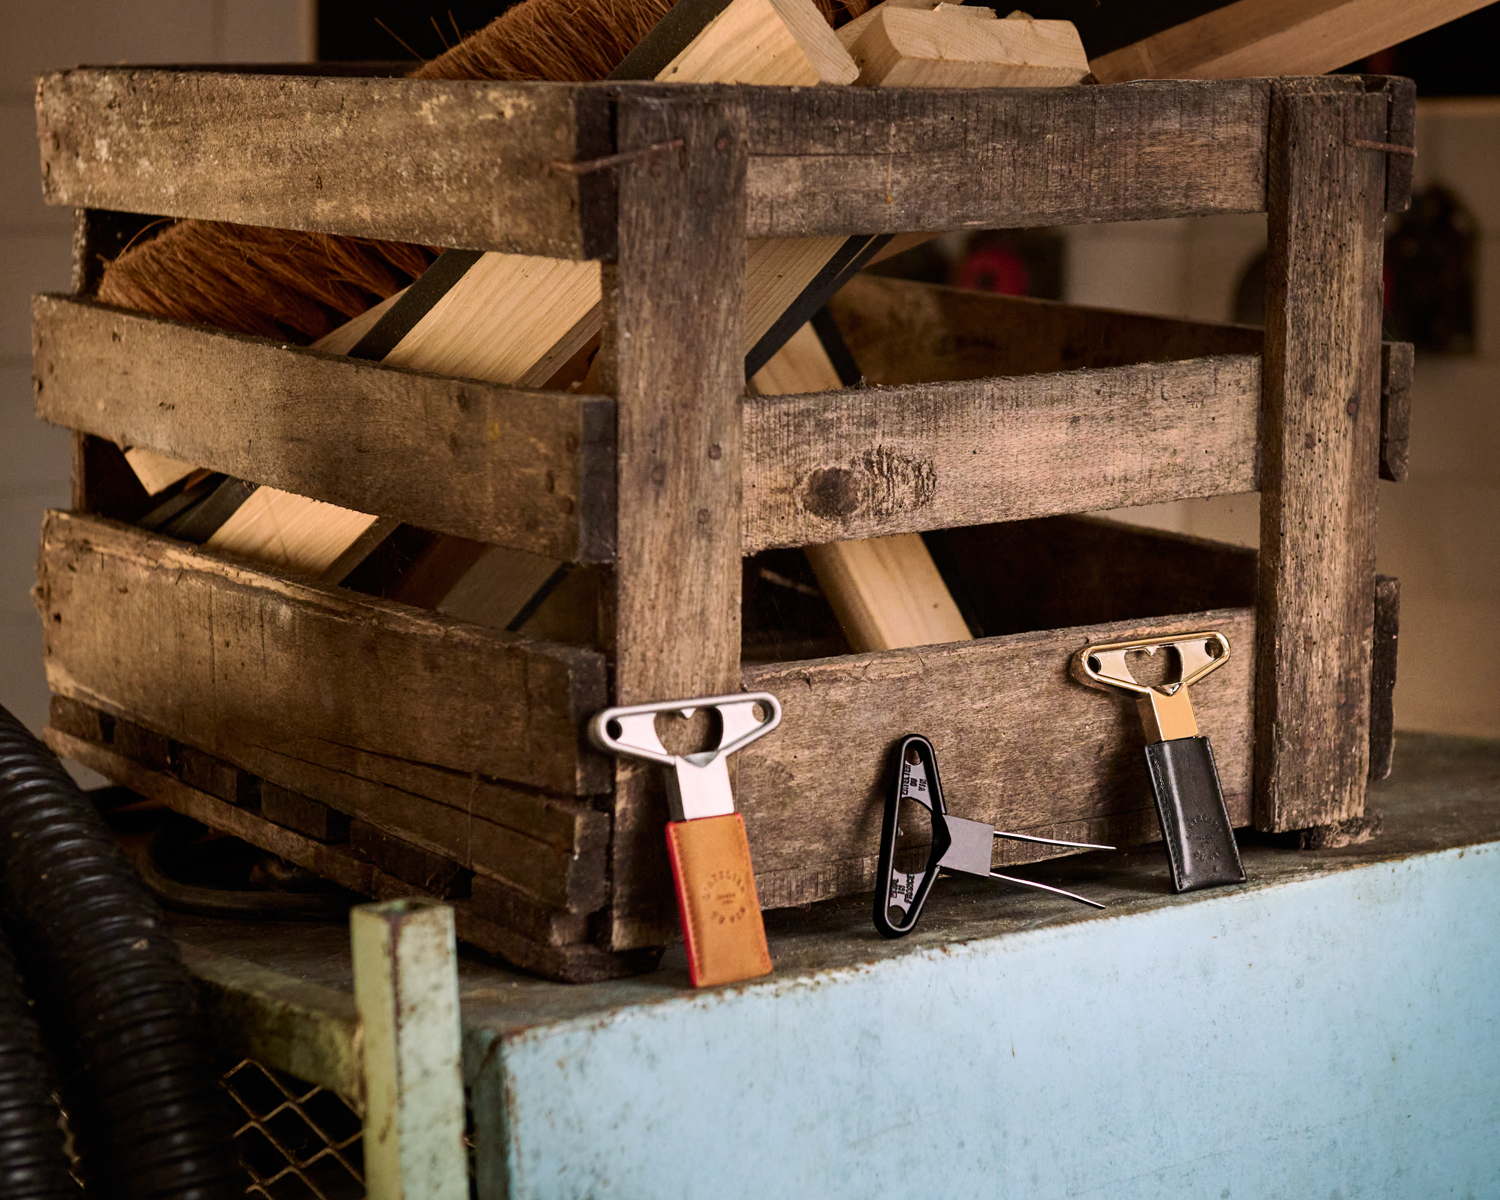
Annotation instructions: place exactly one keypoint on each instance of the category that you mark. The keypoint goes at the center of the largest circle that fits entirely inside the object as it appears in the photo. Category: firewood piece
(886, 592)
(777, 42)
(156, 472)
(281, 529)
(907, 47)
(1276, 37)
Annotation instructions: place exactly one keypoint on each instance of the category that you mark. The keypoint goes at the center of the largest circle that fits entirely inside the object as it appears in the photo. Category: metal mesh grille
(297, 1141)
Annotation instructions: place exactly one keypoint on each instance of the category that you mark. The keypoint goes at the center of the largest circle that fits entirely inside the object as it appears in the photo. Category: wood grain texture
(529, 470)
(287, 532)
(545, 847)
(900, 332)
(479, 923)
(1018, 741)
(1396, 362)
(1276, 37)
(876, 461)
(1320, 446)
(1383, 675)
(876, 160)
(886, 592)
(308, 153)
(473, 156)
(1400, 130)
(952, 47)
(672, 356)
(228, 657)
(510, 318)
(297, 812)
(773, 42)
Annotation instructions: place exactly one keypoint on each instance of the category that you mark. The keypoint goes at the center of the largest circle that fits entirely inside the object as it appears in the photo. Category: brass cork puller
(710, 854)
(1184, 780)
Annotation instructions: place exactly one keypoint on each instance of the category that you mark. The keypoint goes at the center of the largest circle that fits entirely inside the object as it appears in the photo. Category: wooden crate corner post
(1320, 445)
(672, 357)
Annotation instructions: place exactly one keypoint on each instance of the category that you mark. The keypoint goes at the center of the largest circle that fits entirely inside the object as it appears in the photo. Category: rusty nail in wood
(613, 160)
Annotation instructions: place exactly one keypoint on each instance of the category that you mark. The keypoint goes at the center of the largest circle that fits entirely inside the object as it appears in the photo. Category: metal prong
(1044, 887)
(1040, 841)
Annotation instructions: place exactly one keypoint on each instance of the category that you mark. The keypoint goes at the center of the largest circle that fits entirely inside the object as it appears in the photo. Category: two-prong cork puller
(721, 920)
(1184, 780)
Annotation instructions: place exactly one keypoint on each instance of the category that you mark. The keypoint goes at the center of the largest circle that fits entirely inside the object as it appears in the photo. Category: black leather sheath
(1194, 821)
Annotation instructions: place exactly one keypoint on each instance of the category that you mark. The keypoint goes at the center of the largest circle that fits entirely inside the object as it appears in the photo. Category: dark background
(1457, 59)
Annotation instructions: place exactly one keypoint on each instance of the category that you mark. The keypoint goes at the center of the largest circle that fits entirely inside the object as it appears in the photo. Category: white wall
(1440, 530)
(36, 243)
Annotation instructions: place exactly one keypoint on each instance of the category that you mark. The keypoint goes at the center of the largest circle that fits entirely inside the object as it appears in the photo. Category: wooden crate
(397, 750)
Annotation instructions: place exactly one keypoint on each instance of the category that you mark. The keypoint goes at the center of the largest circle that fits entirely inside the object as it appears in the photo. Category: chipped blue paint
(1333, 1036)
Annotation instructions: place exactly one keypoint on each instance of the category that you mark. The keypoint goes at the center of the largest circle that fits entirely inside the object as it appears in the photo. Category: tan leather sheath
(721, 922)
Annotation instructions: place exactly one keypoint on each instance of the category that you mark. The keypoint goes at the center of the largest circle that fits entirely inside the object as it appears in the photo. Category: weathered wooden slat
(558, 861)
(1400, 130)
(862, 463)
(1320, 457)
(1396, 360)
(1383, 675)
(904, 332)
(481, 926)
(875, 160)
(672, 354)
(1018, 741)
(299, 813)
(473, 158)
(449, 163)
(535, 470)
(266, 671)
(527, 469)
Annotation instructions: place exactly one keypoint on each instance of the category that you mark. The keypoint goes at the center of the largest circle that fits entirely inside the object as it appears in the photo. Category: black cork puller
(1184, 780)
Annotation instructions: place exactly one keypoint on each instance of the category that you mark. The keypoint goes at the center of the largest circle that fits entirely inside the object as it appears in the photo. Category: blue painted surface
(1329, 1037)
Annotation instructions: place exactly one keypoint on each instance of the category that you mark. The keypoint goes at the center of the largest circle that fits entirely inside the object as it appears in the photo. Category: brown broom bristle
(300, 286)
(550, 40)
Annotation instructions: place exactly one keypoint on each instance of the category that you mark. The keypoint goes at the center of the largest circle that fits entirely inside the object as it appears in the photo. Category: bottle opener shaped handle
(919, 837)
(706, 842)
(1184, 780)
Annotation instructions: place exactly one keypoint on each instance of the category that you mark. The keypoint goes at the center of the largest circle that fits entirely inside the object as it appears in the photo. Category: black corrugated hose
(117, 1008)
(33, 1164)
